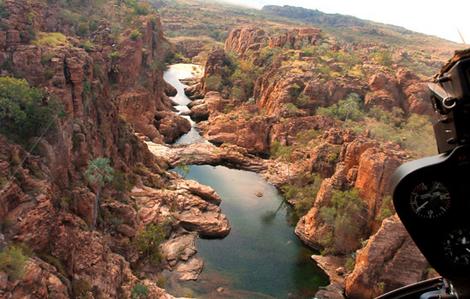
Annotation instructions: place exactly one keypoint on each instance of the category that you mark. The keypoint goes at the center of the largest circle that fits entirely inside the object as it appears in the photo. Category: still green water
(261, 257)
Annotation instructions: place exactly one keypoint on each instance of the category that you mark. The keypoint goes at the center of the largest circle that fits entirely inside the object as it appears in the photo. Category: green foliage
(348, 109)
(23, 112)
(243, 78)
(295, 90)
(280, 151)
(350, 264)
(46, 58)
(135, 35)
(138, 8)
(87, 45)
(183, 169)
(158, 65)
(302, 191)
(149, 240)
(99, 172)
(122, 182)
(386, 209)
(51, 39)
(292, 108)
(139, 291)
(114, 56)
(214, 82)
(12, 261)
(304, 137)
(344, 214)
(382, 57)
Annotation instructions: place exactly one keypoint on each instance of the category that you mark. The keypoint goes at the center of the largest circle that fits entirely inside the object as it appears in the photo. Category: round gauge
(430, 200)
(457, 247)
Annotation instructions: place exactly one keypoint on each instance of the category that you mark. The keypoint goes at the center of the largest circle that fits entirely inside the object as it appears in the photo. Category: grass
(50, 39)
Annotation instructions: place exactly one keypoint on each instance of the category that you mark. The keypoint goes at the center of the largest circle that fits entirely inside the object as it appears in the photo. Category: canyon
(319, 122)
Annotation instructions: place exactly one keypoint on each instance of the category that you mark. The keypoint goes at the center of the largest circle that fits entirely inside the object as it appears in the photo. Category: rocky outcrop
(385, 93)
(402, 90)
(244, 39)
(361, 164)
(250, 133)
(211, 104)
(389, 260)
(374, 173)
(277, 88)
(194, 207)
(208, 154)
(42, 278)
(171, 125)
(295, 38)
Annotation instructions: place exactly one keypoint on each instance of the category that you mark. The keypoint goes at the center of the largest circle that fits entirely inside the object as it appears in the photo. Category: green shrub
(244, 75)
(386, 209)
(382, 57)
(51, 39)
(302, 192)
(23, 113)
(114, 56)
(292, 108)
(279, 150)
(83, 28)
(214, 83)
(87, 45)
(348, 109)
(158, 65)
(12, 261)
(139, 291)
(46, 58)
(135, 35)
(345, 214)
(295, 90)
(149, 240)
(350, 264)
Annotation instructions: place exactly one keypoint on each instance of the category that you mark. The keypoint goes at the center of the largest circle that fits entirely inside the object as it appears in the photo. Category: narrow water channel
(262, 257)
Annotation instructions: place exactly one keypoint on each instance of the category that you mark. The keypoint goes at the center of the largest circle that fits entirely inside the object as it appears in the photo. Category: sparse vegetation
(345, 214)
(99, 173)
(386, 209)
(139, 291)
(214, 82)
(50, 39)
(81, 288)
(135, 35)
(148, 242)
(302, 192)
(12, 261)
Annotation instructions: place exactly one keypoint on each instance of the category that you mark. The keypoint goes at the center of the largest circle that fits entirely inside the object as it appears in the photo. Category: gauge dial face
(430, 200)
(457, 247)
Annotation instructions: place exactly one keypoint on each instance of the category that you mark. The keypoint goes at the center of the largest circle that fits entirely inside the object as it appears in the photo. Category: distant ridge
(315, 16)
(354, 29)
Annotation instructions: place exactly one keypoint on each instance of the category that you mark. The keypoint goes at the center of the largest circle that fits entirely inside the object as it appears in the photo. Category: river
(261, 257)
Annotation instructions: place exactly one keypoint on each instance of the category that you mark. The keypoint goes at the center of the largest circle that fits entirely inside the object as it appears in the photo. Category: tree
(25, 111)
(99, 173)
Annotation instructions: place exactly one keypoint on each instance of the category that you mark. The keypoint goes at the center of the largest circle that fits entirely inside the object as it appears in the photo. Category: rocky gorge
(322, 120)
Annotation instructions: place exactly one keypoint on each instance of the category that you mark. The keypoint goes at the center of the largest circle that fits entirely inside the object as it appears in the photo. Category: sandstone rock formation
(242, 40)
(389, 260)
(295, 38)
(362, 164)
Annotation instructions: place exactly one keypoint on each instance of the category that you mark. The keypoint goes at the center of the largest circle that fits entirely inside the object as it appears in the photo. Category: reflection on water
(261, 258)
(173, 76)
